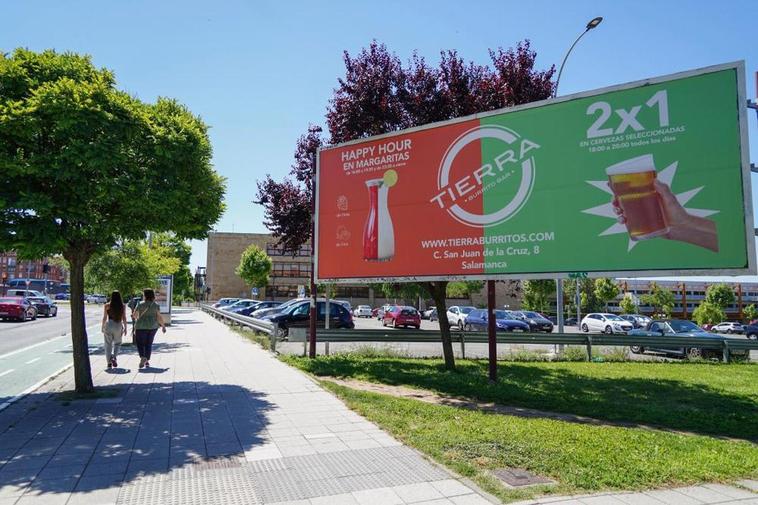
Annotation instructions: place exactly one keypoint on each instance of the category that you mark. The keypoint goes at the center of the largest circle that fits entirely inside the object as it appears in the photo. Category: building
(290, 273)
(11, 267)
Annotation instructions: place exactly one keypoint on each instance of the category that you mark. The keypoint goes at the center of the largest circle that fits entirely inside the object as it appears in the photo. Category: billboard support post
(559, 308)
(313, 314)
(492, 330)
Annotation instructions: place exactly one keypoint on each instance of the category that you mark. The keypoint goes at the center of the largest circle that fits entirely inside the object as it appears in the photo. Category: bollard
(589, 348)
(273, 337)
(725, 353)
(463, 347)
(326, 348)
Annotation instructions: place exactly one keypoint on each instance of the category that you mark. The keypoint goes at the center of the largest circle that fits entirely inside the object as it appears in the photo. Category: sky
(259, 72)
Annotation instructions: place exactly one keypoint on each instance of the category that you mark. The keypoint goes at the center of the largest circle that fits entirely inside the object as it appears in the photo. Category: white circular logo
(514, 156)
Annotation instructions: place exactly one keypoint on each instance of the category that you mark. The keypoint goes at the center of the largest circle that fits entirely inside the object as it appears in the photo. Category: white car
(605, 323)
(456, 315)
(728, 327)
(362, 311)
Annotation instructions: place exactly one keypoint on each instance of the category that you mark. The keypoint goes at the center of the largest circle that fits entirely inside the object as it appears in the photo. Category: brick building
(289, 272)
(11, 267)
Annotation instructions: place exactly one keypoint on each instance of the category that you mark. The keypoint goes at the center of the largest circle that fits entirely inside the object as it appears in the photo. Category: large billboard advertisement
(650, 177)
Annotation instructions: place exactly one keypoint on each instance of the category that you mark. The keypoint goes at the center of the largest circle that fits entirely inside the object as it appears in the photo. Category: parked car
(267, 304)
(456, 315)
(23, 293)
(400, 315)
(240, 304)
(223, 302)
(17, 308)
(504, 321)
(728, 327)
(678, 328)
(298, 315)
(433, 315)
(605, 323)
(44, 305)
(344, 303)
(264, 312)
(536, 321)
(637, 320)
(96, 298)
(362, 311)
(63, 296)
(570, 321)
(751, 330)
(426, 313)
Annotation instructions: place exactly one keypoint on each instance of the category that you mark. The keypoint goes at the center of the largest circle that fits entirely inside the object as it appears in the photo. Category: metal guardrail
(727, 346)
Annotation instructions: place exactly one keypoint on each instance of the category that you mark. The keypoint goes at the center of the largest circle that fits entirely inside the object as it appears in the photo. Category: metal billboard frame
(739, 68)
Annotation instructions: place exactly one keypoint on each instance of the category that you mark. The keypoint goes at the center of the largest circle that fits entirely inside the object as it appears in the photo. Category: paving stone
(379, 496)
(750, 484)
(417, 492)
(730, 491)
(671, 497)
(704, 494)
(450, 487)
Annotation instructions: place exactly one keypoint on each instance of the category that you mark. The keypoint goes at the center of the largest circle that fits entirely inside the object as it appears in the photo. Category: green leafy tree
(627, 304)
(660, 299)
(605, 290)
(129, 267)
(84, 165)
(463, 289)
(255, 266)
(536, 294)
(720, 295)
(750, 313)
(183, 288)
(588, 300)
(708, 313)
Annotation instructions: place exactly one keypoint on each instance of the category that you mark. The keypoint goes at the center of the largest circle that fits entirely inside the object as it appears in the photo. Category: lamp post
(559, 282)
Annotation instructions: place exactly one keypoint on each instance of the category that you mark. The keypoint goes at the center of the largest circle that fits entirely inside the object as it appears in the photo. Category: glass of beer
(632, 183)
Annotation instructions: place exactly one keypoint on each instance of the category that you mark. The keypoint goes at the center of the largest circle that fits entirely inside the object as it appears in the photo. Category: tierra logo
(506, 157)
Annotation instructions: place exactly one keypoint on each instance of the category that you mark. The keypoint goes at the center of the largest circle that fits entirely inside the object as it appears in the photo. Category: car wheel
(636, 349)
(418, 327)
(585, 329)
(394, 323)
(694, 352)
(729, 331)
(753, 336)
(466, 327)
(460, 325)
(608, 330)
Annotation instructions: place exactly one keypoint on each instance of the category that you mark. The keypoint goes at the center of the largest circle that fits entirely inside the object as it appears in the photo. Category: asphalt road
(32, 351)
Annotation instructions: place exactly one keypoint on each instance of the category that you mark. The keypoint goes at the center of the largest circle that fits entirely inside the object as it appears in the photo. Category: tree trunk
(438, 291)
(82, 370)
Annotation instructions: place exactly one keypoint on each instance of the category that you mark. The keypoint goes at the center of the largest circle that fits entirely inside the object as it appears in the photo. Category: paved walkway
(219, 421)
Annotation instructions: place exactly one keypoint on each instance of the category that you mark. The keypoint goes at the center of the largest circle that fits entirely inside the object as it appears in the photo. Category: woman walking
(114, 327)
(148, 318)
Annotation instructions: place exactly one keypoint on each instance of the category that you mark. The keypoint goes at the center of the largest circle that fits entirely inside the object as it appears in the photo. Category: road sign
(254, 292)
(536, 190)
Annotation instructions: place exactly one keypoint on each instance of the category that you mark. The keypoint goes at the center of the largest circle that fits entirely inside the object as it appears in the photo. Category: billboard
(646, 178)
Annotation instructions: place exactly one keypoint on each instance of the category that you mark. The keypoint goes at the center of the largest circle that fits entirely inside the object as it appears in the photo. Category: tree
(750, 313)
(708, 313)
(627, 304)
(720, 295)
(254, 267)
(183, 287)
(84, 166)
(129, 267)
(378, 94)
(588, 299)
(463, 289)
(536, 294)
(605, 290)
(660, 299)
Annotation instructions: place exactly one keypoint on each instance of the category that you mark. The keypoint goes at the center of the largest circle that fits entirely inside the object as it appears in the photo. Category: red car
(402, 316)
(17, 308)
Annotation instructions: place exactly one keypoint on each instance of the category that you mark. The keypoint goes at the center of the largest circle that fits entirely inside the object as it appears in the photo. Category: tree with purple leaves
(379, 94)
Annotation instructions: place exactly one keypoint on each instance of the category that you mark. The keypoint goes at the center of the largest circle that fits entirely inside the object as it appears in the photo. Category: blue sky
(259, 72)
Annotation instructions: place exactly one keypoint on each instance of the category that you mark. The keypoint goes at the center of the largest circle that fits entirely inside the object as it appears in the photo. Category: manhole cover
(518, 477)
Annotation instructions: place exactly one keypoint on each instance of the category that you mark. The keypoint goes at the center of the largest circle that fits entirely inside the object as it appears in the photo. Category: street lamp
(559, 282)
(592, 24)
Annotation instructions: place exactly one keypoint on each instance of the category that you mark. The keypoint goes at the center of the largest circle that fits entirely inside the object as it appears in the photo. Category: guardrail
(692, 345)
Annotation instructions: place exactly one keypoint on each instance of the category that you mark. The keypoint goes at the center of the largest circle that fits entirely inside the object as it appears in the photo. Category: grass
(706, 398)
(581, 458)
(259, 338)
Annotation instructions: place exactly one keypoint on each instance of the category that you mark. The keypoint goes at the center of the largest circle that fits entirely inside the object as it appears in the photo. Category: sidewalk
(219, 421)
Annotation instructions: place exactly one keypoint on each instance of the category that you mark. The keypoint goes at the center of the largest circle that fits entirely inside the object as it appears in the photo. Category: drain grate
(219, 462)
(518, 477)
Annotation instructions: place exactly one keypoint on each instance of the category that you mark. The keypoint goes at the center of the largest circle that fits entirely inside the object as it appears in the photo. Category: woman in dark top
(148, 318)
(114, 327)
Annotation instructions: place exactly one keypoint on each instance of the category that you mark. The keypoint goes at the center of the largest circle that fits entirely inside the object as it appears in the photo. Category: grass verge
(707, 398)
(580, 458)
(258, 338)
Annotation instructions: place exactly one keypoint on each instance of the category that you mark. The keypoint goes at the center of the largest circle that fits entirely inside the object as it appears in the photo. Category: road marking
(31, 361)
(45, 342)
(6, 372)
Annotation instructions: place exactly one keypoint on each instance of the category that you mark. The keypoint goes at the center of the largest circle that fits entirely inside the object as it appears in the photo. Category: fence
(692, 345)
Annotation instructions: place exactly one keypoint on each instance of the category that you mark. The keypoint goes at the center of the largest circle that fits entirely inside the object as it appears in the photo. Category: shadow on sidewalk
(144, 430)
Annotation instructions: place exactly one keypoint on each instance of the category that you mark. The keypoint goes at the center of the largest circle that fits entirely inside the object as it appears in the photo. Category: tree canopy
(254, 267)
(605, 290)
(720, 295)
(84, 165)
(536, 294)
(660, 299)
(627, 304)
(708, 313)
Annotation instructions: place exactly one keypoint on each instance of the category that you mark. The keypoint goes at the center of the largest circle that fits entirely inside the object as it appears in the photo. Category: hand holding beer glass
(649, 209)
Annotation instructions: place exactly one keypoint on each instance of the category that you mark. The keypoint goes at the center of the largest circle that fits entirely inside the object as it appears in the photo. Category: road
(32, 351)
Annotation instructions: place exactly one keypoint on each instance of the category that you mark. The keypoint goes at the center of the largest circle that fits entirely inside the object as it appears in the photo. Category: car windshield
(364, 307)
(684, 326)
(408, 311)
(533, 315)
(613, 317)
(36, 299)
(502, 314)
(8, 300)
(466, 310)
